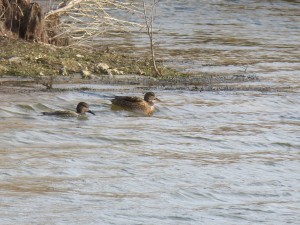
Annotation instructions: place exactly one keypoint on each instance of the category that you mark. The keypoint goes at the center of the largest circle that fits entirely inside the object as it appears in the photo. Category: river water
(208, 157)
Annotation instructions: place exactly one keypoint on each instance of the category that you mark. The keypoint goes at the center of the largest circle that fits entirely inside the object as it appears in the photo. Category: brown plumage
(81, 109)
(137, 104)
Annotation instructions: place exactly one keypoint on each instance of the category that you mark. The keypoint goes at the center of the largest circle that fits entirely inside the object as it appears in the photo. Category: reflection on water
(208, 157)
(204, 157)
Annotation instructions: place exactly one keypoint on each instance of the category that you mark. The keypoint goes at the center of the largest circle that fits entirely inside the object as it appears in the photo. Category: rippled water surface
(203, 158)
(224, 37)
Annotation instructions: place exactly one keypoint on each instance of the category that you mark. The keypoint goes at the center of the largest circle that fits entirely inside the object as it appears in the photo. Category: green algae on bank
(27, 59)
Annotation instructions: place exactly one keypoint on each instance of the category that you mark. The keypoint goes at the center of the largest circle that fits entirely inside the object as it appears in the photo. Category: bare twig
(149, 20)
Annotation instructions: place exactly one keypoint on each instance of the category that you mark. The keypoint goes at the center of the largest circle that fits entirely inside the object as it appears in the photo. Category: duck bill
(91, 112)
(157, 99)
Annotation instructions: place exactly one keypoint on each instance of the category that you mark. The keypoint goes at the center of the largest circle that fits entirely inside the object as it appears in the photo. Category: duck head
(82, 108)
(150, 96)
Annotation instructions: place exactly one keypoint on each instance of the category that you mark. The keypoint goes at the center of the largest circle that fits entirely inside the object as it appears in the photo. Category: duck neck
(150, 102)
(80, 112)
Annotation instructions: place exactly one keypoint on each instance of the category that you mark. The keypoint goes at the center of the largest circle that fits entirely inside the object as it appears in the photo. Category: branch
(65, 8)
(92, 19)
(149, 29)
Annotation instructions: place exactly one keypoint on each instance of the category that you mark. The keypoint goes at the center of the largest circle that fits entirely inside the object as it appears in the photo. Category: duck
(137, 104)
(81, 109)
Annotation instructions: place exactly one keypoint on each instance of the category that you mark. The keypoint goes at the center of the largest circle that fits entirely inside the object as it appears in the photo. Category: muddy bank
(21, 58)
(26, 66)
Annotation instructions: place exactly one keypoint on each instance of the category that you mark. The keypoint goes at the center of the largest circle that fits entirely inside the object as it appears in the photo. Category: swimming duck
(138, 104)
(81, 109)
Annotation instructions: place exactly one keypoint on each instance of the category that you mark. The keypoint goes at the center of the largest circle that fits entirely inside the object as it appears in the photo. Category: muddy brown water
(207, 157)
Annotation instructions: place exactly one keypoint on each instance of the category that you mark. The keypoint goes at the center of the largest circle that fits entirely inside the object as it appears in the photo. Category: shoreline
(12, 84)
(37, 60)
(34, 67)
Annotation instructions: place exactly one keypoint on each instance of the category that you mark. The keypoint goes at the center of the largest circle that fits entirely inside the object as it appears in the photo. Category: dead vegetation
(69, 23)
(26, 20)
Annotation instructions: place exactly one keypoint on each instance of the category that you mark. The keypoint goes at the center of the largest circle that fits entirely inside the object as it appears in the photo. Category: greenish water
(229, 157)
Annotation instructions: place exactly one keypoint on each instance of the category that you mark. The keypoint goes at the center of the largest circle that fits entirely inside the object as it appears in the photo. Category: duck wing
(127, 99)
(60, 113)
